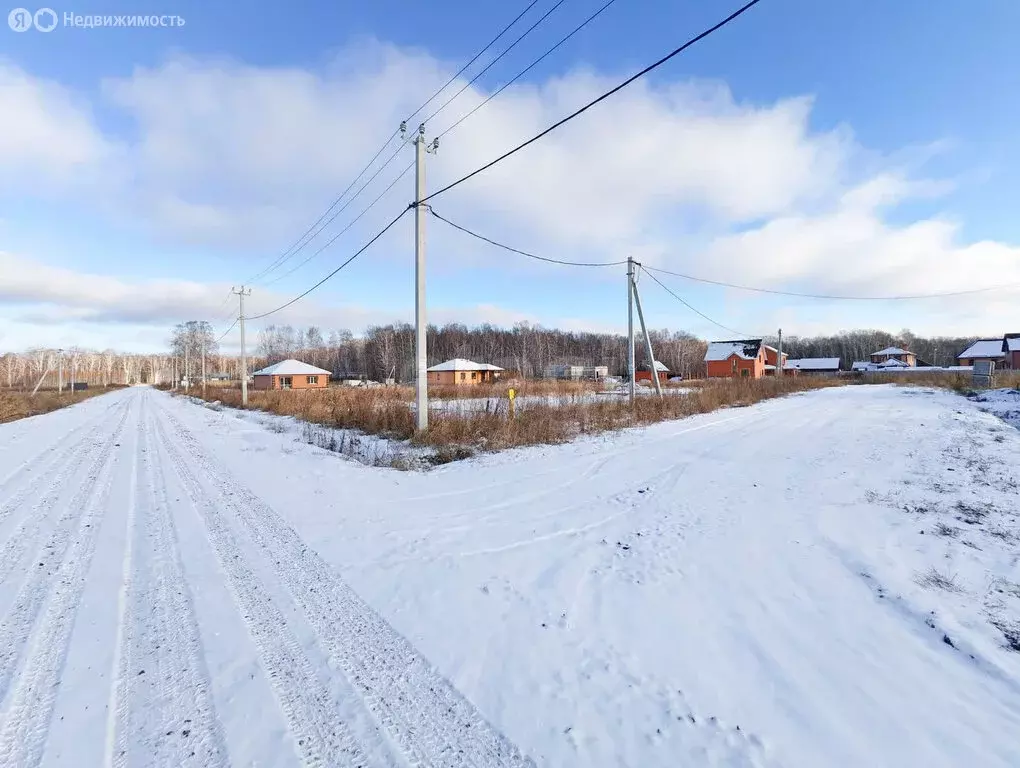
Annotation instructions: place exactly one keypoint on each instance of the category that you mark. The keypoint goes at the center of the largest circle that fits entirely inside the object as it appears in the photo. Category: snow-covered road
(829, 579)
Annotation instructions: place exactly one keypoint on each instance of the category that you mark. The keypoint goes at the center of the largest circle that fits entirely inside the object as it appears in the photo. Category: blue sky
(810, 100)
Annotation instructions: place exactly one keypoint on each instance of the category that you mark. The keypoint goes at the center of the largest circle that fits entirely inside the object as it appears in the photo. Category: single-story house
(643, 373)
(577, 372)
(814, 365)
(739, 358)
(460, 372)
(990, 350)
(1013, 350)
(291, 374)
(894, 353)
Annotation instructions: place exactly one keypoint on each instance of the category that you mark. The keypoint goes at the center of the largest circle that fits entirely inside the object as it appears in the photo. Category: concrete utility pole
(421, 146)
(630, 328)
(779, 355)
(244, 361)
(203, 361)
(648, 340)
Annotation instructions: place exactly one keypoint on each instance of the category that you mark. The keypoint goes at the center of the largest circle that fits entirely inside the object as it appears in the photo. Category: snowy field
(826, 579)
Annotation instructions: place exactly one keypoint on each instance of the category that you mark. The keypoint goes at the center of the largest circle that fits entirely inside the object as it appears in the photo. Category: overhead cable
(688, 305)
(350, 224)
(300, 242)
(525, 253)
(601, 98)
(833, 297)
(474, 58)
(357, 253)
(220, 338)
(488, 66)
(528, 68)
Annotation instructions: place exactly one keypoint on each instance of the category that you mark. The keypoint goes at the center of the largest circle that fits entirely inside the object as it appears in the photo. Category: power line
(286, 254)
(603, 97)
(220, 338)
(473, 59)
(282, 260)
(528, 68)
(349, 225)
(688, 305)
(486, 68)
(832, 297)
(525, 253)
(357, 253)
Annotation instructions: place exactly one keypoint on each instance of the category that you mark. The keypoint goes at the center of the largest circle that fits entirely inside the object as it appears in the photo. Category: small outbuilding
(291, 374)
(459, 372)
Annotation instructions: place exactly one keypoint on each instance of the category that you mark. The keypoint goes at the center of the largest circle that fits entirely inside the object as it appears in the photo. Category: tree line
(387, 352)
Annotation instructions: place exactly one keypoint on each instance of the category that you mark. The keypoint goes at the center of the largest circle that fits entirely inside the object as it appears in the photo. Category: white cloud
(684, 175)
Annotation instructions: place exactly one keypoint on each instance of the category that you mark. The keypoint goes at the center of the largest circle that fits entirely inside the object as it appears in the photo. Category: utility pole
(187, 349)
(421, 146)
(630, 329)
(60, 371)
(648, 340)
(244, 362)
(203, 361)
(779, 355)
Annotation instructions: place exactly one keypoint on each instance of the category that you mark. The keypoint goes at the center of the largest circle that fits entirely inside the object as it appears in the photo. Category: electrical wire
(220, 338)
(488, 66)
(474, 58)
(693, 309)
(346, 228)
(528, 68)
(744, 8)
(525, 253)
(287, 257)
(300, 242)
(357, 253)
(833, 297)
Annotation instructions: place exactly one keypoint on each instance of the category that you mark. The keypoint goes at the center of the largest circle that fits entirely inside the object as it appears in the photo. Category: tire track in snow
(431, 721)
(26, 464)
(17, 624)
(162, 713)
(54, 474)
(25, 722)
(319, 736)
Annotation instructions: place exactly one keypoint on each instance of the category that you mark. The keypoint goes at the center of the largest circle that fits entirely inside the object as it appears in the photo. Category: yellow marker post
(511, 393)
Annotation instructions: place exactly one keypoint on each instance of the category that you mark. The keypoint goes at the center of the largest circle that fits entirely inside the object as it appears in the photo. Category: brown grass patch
(19, 405)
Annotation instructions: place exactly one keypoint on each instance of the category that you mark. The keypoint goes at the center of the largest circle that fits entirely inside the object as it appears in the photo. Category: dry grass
(958, 382)
(385, 410)
(18, 405)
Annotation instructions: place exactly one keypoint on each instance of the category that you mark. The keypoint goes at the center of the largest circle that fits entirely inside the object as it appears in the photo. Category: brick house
(459, 372)
(291, 374)
(735, 359)
(644, 374)
(894, 353)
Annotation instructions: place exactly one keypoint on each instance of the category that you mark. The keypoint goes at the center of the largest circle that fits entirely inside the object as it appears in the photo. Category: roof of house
(460, 364)
(892, 351)
(658, 366)
(892, 363)
(1013, 343)
(814, 364)
(291, 368)
(983, 348)
(863, 365)
(746, 349)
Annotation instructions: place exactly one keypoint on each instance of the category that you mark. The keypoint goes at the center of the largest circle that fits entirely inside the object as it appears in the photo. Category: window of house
(474, 375)
(286, 382)
(734, 361)
(313, 379)
(463, 376)
(744, 372)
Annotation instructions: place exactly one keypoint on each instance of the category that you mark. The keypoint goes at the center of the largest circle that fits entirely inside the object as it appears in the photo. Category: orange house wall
(723, 369)
(297, 382)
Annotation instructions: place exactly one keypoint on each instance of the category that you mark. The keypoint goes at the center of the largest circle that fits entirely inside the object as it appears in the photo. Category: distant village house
(644, 373)
(291, 374)
(735, 359)
(1004, 352)
(459, 372)
(909, 359)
